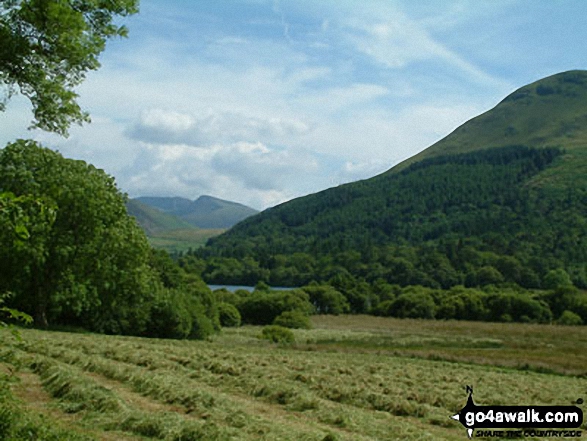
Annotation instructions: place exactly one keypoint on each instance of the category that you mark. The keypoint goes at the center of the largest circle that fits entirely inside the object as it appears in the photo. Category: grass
(182, 240)
(349, 378)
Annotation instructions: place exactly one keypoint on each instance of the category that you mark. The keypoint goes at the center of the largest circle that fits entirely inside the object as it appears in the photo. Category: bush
(327, 300)
(415, 304)
(261, 308)
(229, 315)
(293, 320)
(462, 304)
(202, 326)
(569, 318)
(169, 317)
(178, 314)
(512, 306)
(277, 334)
(383, 308)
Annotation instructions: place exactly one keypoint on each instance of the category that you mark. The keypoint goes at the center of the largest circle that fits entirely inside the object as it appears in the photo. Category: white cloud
(161, 126)
(251, 173)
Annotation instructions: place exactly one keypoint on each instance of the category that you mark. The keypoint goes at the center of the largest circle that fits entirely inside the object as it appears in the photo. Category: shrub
(512, 306)
(462, 304)
(169, 318)
(223, 295)
(178, 314)
(383, 308)
(293, 320)
(229, 315)
(569, 318)
(277, 334)
(261, 308)
(415, 304)
(202, 326)
(327, 300)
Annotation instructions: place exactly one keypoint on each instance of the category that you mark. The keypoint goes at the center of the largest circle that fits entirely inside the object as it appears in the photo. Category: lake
(233, 288)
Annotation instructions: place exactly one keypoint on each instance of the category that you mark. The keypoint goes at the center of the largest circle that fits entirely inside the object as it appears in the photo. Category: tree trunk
(41, 317)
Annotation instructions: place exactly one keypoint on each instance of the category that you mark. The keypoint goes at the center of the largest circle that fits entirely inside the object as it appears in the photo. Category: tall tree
(80, 257)
(46, 49)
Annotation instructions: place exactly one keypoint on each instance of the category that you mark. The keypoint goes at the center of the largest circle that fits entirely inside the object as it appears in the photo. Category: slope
(168, 232)
(505, 193)
(204, 212)
(152, 220)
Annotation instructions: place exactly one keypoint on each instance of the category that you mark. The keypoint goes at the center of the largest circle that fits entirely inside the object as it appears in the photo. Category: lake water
(233, 288)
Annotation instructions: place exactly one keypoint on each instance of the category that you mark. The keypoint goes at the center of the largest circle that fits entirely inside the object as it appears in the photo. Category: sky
(263, 101)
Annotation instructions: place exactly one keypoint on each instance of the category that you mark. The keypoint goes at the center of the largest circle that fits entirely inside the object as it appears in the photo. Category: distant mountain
(169, 232)
(205, 212)
(502, 198)
(154, 221)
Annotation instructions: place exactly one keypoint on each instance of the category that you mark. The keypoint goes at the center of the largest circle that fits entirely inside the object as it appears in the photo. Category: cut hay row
(239, 387)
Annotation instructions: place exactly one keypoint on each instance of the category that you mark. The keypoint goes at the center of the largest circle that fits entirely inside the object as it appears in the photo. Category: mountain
(169, 232)
(154, 221)
(205, 212)
(501, 199)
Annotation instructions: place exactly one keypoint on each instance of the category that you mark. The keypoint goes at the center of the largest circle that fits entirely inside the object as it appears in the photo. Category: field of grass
(349, 378)
(182, 240)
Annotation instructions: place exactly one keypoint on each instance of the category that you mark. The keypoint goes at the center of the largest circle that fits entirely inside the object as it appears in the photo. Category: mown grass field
(349, 378)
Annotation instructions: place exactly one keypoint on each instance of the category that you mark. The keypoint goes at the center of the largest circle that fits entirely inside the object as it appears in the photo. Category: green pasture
(348, 378)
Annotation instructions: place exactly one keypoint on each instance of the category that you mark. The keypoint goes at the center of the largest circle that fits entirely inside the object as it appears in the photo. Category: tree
(48, 46)
(84, 259)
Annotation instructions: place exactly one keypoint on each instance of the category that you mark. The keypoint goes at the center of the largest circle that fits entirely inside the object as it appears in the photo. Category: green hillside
(551, 112)
(168, 232)
(501, 199)
(204, 212)
(154, 221)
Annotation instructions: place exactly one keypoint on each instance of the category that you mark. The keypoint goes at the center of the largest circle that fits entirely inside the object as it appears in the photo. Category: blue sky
(263, 101)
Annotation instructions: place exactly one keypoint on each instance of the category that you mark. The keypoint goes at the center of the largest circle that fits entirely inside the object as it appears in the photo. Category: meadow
(348, 378)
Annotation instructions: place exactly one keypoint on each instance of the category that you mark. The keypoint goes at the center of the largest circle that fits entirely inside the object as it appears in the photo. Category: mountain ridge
(205, 212)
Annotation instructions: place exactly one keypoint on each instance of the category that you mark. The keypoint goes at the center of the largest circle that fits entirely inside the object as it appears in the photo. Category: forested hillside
(503, 199)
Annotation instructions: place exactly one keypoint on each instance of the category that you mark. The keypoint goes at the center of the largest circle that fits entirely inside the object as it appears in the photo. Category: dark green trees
(70, 254)
(82, 252)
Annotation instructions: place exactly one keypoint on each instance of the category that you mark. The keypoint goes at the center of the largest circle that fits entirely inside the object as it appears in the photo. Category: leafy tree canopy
(73, 248)
(46, 49)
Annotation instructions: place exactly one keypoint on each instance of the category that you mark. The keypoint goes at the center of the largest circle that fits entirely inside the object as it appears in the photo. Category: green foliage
(72, 256)
(47, 49)
(225, 296)
(569, 318)
(326, 299)
(229, 315)
(462, 304)
(556, 278)
(277, 334)
(415, 303)
(563, 298)
(85, 253)
(512, 306)
(171, 316)
(261, 308)
(293, 319)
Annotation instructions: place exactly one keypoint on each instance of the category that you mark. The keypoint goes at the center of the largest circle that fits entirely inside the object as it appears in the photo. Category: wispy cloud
(398, 41)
